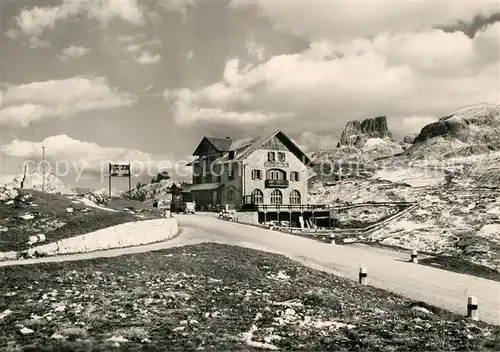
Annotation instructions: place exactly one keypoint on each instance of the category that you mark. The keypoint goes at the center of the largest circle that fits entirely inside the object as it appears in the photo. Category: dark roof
(222, 144)
(245, 146)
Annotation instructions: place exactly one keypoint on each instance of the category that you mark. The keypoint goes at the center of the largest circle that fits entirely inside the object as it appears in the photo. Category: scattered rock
(5, 314)
(57, 336)
(26, 331)
(117, 339)
(32, 240)
(28, 216)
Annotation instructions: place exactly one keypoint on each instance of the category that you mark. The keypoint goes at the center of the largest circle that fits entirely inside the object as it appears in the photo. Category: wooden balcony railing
(276, 183)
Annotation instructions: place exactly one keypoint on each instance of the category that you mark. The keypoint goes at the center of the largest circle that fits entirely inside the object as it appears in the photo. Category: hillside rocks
(356, 133)
(157, 191)
(34, 180)
(7, 192)
(472, 130)
(443, 128)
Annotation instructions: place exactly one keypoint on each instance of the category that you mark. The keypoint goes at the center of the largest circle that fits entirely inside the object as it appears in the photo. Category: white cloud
(343, 19)
(35, 43)
(67, 152)
(147, 58)
(73, 52)
(27, 103)
(190, 54)
(180, 6)
(311, 141)
(255, 50)
(427, 73)
(34, 21)
(126, 10)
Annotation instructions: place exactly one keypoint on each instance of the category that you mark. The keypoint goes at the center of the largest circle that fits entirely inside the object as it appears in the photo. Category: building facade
(268, 169)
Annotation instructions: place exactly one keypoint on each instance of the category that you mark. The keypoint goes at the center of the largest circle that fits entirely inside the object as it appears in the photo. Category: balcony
(275, 164)
(276, 183)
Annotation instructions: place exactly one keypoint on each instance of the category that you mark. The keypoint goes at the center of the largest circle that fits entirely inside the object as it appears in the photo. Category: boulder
(456, 129)
(410, 138)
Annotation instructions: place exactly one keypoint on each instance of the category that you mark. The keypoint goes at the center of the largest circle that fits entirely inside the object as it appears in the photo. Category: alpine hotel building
(268, 169)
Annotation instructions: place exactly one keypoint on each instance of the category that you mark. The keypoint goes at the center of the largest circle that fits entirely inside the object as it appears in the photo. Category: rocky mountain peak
(356, 133)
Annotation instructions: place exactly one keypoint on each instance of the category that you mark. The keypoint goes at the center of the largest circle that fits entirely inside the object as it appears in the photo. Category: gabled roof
(243, 147)
(221, 144)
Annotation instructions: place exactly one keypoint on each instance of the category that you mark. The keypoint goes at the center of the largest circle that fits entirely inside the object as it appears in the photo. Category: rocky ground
(216, 297)
(32, 217)
(452, 169)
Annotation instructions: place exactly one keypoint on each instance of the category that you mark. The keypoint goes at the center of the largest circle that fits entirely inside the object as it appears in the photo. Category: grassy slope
(208, 296)
(54, 221)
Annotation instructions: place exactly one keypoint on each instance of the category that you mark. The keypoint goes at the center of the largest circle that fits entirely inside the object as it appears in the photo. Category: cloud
(190, 54)
(343, 19)
(138, 46)
(27, 103)
(90, 157)
(35, 21)
(428, 73)
(73, 52)
(147, 58)
(180, 6)
(311, 141)
(255, 50)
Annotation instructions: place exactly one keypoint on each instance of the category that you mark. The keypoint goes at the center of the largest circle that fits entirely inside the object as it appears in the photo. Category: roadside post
(472, 308)
(363, 275)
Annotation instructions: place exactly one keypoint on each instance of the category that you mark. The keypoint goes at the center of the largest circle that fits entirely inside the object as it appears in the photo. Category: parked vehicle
(187, 208)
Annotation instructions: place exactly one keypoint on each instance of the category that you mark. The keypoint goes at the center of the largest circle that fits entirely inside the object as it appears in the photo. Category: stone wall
(124, 235)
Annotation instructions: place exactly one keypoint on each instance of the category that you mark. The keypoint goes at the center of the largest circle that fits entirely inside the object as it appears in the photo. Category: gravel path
(386, 269)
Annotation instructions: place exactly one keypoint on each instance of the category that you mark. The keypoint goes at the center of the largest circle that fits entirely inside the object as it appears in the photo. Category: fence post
(414, 256)
(472, 308)
(363, 275)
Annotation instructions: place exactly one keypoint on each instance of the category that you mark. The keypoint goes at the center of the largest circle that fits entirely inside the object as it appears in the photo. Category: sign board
(119, 170)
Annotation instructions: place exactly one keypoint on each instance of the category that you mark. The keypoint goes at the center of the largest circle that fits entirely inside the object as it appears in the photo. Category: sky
(142, 81)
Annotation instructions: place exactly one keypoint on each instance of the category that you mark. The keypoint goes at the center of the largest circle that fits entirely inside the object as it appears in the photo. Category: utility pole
(43, 169)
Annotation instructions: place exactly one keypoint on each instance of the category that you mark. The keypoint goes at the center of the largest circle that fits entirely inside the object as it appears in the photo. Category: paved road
(386, 269)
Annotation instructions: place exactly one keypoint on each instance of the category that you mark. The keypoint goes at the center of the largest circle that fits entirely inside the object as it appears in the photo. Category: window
(231, 155)
(276, 197)
(230, 196)
(276, 174)
(258, 196)
(294, 197)
(270, 156)
(295, 176)
(256, 175)
(281, 156)
(230, 172)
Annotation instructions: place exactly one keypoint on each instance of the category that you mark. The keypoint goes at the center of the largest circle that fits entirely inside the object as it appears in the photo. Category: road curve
(386, 269)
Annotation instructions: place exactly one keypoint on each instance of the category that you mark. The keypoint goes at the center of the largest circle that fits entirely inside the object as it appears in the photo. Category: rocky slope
(457, 215)
(472, 130)
(32, 180)
(357, 132)
(158, 191)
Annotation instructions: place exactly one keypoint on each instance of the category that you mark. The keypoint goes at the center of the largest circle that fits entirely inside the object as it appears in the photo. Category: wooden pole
(109, 185)
(43, 169)
(129, 179)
